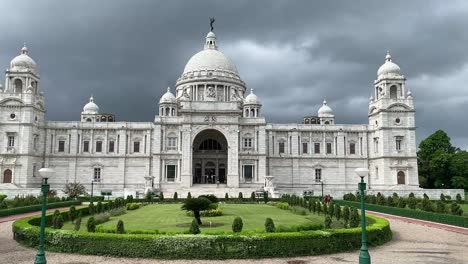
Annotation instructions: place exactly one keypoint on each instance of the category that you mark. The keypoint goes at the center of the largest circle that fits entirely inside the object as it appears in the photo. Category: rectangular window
(317, 148)
(172, 143)
(318, 175)
(329, 148)
(376, 145)
(171, 172)
(35, 142)
(136, 146)
(111, 146)
(61, 146)
(305, 148)
(352, 148)
(34, 169)
(398, 143)
(376, 172)
(11, 141)
(247, 143)
(98, 146)
(97, 175)
(248, 173)
(281, 147)
(86, 146)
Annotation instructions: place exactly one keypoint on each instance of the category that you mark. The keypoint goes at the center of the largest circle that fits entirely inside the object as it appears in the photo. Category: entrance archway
(209, 158)
(7, 176)
(401, 177)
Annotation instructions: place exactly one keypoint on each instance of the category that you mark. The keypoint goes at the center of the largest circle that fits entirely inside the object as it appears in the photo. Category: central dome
(210, 59)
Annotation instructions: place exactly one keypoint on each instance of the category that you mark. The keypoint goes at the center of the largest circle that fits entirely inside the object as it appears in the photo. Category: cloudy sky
(293, 53)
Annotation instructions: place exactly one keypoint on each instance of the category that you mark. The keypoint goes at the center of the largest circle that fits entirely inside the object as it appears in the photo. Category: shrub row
(37, 207)
(422, 215)
(257, 245)
(88, 198)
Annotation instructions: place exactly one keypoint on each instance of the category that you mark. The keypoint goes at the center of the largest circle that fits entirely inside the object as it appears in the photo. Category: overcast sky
(293, 53)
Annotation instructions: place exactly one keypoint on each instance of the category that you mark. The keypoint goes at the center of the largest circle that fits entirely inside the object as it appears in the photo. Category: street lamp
(364, 257)
(92, 185)
(321, 183)
(45, 173)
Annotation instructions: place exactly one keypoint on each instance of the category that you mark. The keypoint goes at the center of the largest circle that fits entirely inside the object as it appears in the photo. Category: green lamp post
(364, 257)
(45, 173)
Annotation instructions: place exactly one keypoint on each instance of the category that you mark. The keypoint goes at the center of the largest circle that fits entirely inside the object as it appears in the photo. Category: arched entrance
(209, 158)
(401, 177)
(7, 176)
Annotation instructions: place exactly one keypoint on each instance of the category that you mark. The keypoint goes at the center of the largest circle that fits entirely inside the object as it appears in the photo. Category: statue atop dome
(212, 20)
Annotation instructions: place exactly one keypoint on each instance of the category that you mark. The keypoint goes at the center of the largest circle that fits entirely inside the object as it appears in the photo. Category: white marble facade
(208, 136)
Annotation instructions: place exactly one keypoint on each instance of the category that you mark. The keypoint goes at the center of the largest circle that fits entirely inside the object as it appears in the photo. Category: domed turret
(23, 62)
(251, 105)
(168, 104)
(389, 67)
(91, 107)
(168, 97)
(251, 98)
(325, 113)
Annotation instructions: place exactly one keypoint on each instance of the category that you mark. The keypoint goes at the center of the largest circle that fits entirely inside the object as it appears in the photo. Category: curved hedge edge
(36, 207)
(183, 246)
(411, 213)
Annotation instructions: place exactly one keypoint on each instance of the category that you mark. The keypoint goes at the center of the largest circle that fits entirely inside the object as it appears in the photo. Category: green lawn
(464, 207)
(166, 217)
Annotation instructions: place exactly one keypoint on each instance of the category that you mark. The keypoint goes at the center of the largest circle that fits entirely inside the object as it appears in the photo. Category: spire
(251, 91)
(388, 57)
(168, 89)
(210, 42)
(91, 99)
(24, 50)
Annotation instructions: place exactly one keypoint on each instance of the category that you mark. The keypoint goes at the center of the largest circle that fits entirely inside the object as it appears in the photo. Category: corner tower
(392, 130)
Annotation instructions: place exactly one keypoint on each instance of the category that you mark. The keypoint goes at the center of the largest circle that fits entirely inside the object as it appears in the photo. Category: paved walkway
(412, 243)
(15, 217)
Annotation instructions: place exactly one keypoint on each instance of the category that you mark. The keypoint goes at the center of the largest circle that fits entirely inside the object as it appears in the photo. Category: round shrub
(328, 222)
(269, 225)
(210, 197)
(194, 227)
(120, 227)
(91, 209)
(237, 225)
(91, 225)
(240, 197)
(189, 195)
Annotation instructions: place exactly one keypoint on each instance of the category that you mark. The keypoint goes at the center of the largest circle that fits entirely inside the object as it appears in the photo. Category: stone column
(186, 170)
(233, 158)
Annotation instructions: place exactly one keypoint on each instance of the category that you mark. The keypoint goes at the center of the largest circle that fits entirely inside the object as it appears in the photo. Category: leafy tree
(328, 221)
(269, 225)
(74, 189)
(91, 224)
(211, 197)
(459, 170)
(237, 225)
(149, 197)
(196, 205)
(337, 212)
(120, 227)
(459, 198)
(194, 227)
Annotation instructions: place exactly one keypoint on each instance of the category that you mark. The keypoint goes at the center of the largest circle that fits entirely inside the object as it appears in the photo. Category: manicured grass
(166, 217)
(464, 207)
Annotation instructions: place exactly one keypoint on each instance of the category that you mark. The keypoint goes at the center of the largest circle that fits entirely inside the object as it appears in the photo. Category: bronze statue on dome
(212, 20)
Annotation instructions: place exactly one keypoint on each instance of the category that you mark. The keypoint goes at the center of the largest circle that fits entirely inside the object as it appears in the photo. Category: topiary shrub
(175, 197)
(189, 195)
(77, 224)
(240, 197)
(269, 225)
(210, 197)
(91, 208)
(331, 209)
(328, 222)
(72, 213)
(427, 205)
(91, 225)
(325, 209)
(120, 227)
(237, 225)
(253, 197)
(57, 220)
(345, 216)
(161, 196)
(401, 202)
(129, 198)
(441, 207)
(412, 202)
(318, 205)
(226, 197)
(99, 207)
(458, 198)
(196, 205)
(337, 212)
(442, 197)
(194, 227)
(354, 218)
(265, 197)
(455, 209)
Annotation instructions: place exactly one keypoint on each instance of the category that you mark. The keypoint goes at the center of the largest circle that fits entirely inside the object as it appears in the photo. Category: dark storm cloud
(294, 53)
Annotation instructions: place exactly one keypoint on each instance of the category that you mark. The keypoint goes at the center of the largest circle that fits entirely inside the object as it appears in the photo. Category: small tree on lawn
(441, 207)
(412, 202)
(57, 220)
(175, 196)
(129, 198)
(331, 209)
(337, 212)
(226, 197)
(91, 225)
(72, 213)
(269, 225)
(161, 196)
(99, 207)
(237, 225)
(196, 205)
(252, 197)
(77, 223)
(328, 221)
(149, 197)
(189, 195)
(325, 209)
(194, 227)
(458, 198)
(346, 215)
(74, 189)
(240, 197)
(354, 220)
(319, 207)
(265, 197)
(120, 227)
(91, 208)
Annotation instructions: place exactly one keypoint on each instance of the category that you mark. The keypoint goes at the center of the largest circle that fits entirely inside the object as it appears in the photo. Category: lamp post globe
(45, 173)
(364, 257)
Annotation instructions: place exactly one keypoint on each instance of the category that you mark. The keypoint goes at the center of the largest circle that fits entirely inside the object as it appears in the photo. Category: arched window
(167, 111)
(393, 92)
(210, 144)
(252, 113)
(307, 121)
(173, 111)
(246, 112)
(7, 176)
(327, 122)
(88, 120)
(401, 177)
(18, 86)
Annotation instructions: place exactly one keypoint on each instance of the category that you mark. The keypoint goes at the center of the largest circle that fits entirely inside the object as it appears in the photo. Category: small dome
(23, 62)
(389, 68)
(211, 34)
(251, 98)
(168, 97)
(91, 107)
(325, 110)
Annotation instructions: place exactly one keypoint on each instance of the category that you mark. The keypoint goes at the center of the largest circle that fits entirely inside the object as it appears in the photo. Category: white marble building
(209, 136)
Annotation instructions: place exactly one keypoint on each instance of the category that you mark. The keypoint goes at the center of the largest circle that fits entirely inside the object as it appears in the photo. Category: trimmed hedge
(37, 207)
(186, 246)
(411, 213)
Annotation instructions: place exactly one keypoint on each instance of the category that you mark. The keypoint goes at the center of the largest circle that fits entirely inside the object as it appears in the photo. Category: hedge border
(36, 207)
(186, 246)
(412, 213)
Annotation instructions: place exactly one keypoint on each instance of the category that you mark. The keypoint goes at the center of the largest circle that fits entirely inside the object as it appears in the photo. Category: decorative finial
(212, 20)
(91, 99)
(324, 102)
(168, 89)
(24, 50)
(388, 57)
(251, 90)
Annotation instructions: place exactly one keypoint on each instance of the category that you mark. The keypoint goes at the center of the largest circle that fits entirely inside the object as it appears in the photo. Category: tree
(337, 212)
(354, 218)
(91, 208)
(328, 221)
(74, 189)
(196, 205)
(237, 225)
(99, 207)
(269, 225)
(240, 197)
(226, 197)
(455, 209)
(346, 215)
(194, 227)
(72, 214)
(120, 227)
(161, 196)
(459, 170)
(91, 224)
(175, 196)
(265, 197)
(77, 223)
(57, 220)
